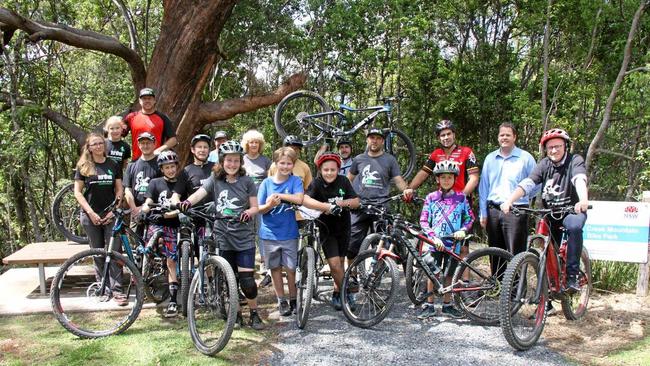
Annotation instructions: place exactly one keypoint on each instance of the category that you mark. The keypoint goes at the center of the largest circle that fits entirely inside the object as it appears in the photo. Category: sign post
(644, 268)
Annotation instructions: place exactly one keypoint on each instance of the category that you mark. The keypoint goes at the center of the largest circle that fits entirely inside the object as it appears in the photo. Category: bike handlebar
(546, 211)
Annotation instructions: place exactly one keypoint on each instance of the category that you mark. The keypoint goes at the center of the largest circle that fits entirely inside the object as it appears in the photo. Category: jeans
(573, 224)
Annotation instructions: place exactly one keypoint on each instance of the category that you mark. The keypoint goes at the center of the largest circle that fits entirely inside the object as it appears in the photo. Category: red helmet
(328, 155)
(554, 133)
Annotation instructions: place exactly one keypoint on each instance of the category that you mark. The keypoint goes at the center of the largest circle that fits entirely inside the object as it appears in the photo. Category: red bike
(528, 286)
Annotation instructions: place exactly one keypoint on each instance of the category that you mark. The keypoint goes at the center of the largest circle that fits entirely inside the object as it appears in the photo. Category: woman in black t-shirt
(328, 193)
(97, 182)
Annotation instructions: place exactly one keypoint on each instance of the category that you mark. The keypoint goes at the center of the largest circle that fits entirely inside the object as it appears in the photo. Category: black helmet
(445, 166)
(292, 140)
(344, 141)
(230, 147)
(167, 157)
(200, 137)
(443, 125)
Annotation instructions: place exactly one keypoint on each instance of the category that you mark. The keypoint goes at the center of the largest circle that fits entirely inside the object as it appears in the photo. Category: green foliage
(614, 276)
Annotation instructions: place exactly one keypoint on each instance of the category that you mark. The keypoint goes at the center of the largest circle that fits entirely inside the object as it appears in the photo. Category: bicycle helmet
(200, 137)
(344, 141)
(443, 125)
(292, 140)
(167, 157)
(446, 166)
(327, 156)
(554, 133)
(230, 147)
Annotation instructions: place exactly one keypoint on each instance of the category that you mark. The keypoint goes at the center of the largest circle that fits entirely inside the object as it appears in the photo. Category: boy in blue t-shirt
(444, 213)
(278, 226)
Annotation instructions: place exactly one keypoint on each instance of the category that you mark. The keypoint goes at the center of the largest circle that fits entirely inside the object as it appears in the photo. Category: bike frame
(554, 259)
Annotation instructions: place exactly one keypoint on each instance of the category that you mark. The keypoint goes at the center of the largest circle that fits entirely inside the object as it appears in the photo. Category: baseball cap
(375, 131)
(146, 135)
(147, 92)
(220, 135)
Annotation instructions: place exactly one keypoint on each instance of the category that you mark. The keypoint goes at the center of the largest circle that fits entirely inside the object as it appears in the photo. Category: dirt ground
(612, 321)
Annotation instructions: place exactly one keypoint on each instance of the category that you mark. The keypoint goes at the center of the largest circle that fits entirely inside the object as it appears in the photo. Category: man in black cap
(219, 138)
(371, 174)
(148, 119)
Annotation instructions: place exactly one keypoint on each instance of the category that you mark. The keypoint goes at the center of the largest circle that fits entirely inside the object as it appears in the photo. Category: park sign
(617, 231)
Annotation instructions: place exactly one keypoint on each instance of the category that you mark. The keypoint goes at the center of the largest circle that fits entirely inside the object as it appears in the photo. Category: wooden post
(644, 268)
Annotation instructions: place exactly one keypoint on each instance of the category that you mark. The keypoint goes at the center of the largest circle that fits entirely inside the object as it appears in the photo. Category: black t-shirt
(118, 151)
(99, 189)
(160, 191)
(137, 177)
(557, 181)
(339, 189)
(195, 176)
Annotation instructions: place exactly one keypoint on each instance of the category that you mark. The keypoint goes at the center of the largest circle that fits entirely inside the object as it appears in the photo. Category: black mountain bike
(307, 115)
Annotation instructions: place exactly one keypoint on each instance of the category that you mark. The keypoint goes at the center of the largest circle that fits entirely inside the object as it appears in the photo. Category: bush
(614, 276)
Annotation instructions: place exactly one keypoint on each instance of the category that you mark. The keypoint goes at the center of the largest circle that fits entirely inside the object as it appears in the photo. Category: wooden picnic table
(40, 254)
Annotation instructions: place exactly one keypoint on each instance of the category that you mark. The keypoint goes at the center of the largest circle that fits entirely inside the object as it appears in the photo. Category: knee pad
(248, 285)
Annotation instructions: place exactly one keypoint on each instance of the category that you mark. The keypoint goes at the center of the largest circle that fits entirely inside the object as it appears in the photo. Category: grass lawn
(151, 340)
(637, 353)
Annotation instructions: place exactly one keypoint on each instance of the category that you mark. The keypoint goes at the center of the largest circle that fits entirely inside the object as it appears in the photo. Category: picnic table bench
(41, 254)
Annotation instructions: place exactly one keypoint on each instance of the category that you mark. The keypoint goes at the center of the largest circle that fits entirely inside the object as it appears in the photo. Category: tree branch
(60, 120)
(38, 31)
(133, 35)
(215, 111)
(618, 154)
(637, 69)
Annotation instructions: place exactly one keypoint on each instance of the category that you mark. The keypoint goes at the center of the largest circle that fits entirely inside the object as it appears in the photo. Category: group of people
(259, 195)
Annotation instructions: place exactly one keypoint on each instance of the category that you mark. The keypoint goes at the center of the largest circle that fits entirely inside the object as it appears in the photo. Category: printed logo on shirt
(163, 200)
(551, 191)
(370, 179)
(141, 183)
(226, 206)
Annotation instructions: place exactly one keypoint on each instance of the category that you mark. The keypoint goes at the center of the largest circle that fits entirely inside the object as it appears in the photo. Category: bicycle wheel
(81, 296)
(154, 275)
(416, 280)
(292, 116)
(375, 285)
(65, 214)
(574, 306)
(401, 147)
(186, 256)
(522, 318)
(305, 285)
(478, 296)
(212, 306)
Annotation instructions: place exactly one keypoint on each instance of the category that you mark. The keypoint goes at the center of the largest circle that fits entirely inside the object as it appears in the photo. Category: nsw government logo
(631, 212)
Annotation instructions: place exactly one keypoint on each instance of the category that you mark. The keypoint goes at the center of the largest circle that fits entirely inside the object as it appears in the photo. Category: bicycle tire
(481, 306)
(522, 322)
(402, 148)
(305, 285)
(373, 281)
(288, 113)
(94, 315)
(186, 248)
(574, 306)
(202, 308)
(416, 280)
(154, 275)
(65, 213)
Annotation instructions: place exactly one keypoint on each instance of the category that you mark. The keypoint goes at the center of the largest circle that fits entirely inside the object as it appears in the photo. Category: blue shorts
(240, 258)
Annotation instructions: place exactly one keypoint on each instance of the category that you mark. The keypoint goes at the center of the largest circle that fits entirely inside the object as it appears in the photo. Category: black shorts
(446, 262)
(240, 258)
(334, 246)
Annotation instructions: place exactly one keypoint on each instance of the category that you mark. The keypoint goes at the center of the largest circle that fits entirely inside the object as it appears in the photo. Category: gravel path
(399, 340)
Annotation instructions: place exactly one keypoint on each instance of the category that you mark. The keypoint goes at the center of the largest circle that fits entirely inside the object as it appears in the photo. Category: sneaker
(284, 308)
(353, 284)
(451, 311)
(336, 302)
(292, 306)
(572, 285)
(352, 303)
(239, 322)
(172, 310)
(427, 311)
(255, 321)
(265, 281)
(550, 310)
(120, 299)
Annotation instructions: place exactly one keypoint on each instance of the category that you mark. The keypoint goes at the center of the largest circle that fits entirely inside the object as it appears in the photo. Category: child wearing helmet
(445, 212)
(329, 193)
(165, 191)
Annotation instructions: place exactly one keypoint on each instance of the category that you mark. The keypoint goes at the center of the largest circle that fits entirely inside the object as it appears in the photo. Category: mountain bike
(372, 277)
(81, 290)
(213, 298)
(537, 276)
(65, 213)
(307, 115)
